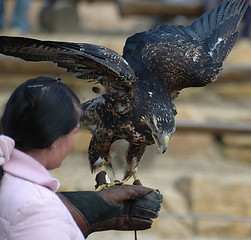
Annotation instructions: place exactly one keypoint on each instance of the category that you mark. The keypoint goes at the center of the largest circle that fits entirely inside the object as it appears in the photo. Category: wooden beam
(10, 65)
(218, 128)
(158, 7)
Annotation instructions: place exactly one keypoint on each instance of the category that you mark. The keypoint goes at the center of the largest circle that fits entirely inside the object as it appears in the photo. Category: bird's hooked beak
(161, 142)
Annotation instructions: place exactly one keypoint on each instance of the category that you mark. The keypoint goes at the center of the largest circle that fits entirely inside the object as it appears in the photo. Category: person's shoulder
(44, 217)
(16, 193)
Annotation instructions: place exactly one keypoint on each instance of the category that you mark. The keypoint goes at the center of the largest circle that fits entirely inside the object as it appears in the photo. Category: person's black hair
(40, 111)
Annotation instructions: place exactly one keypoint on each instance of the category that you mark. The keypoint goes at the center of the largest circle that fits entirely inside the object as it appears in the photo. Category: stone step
(10, 65)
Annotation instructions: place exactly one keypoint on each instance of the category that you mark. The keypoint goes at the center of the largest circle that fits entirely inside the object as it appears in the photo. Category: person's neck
(41, 155)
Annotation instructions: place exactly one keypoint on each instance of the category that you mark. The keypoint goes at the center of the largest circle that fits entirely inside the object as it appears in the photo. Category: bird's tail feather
(207, 23)
(223, 49)
(224, 31)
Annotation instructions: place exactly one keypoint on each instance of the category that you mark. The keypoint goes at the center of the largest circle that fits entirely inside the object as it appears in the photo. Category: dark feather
(192, 56)
(140, 85)
(86, 61)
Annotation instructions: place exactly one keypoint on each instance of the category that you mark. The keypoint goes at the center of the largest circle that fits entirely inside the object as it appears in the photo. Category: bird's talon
(135, 176)
(156, 191)
(107, 185)
(101, 187)
(117, 182)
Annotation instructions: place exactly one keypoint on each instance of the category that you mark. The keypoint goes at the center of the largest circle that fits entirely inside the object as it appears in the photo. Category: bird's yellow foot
(156, 191)
(107, 185)
(103, 181)
(136, 178)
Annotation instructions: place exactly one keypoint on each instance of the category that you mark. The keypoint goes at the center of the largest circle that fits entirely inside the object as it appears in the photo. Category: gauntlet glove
(120, 207)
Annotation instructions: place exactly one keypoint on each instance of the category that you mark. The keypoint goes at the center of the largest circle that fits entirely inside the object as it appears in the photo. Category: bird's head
(162, 128)
(161, 141)
(162, 131)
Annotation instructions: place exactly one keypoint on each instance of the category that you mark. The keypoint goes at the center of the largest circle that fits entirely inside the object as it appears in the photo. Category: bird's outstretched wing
(86, 61)
(192, 56)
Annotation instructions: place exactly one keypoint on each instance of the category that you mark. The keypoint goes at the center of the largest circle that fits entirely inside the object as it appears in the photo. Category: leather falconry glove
(119, 207)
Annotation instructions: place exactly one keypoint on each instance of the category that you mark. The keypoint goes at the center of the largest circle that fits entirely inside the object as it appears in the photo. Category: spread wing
(192, 56)
(86, 61)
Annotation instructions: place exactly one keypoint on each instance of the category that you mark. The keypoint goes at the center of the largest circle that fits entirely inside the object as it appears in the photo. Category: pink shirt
(29, 207)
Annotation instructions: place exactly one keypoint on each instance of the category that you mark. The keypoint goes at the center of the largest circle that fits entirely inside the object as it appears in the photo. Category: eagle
(140, 86)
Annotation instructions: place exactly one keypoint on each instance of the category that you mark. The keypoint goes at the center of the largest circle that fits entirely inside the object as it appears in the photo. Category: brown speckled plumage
(140, 85)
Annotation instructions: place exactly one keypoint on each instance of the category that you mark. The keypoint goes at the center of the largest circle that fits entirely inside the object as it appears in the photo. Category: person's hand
(136, 206)
(120, 207)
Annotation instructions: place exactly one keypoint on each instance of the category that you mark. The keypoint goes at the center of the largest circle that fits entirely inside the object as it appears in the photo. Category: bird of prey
(140, 86)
